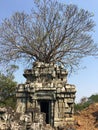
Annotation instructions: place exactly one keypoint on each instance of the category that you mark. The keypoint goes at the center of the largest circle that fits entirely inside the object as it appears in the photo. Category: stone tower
(46, 91)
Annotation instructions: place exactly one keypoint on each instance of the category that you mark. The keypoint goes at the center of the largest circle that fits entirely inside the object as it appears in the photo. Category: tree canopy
(52, 32)
(7, 90)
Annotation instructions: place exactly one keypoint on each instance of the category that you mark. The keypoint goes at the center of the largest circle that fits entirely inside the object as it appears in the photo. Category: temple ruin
(46, 94)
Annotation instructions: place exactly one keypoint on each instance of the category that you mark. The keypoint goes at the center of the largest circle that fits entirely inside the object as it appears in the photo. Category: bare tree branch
(53, 32)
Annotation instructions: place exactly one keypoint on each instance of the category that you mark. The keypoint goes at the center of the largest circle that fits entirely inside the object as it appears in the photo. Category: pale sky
(85, 80)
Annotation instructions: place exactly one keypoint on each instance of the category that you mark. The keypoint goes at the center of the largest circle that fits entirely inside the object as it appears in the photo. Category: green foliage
(93, 98)
(79, 106)
(7, 91)
(82, 105)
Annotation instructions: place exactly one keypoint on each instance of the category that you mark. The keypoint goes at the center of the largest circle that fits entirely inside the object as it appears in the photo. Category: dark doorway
(45, 107)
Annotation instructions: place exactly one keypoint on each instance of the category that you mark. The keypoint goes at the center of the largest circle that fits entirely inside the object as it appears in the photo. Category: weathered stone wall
(10, 120)
(48, 83)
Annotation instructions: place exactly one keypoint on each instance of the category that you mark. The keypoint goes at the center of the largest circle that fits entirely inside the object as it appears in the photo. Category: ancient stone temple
(46, 91)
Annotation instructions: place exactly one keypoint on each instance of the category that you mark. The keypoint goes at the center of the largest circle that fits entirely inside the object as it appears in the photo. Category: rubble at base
(17, 121)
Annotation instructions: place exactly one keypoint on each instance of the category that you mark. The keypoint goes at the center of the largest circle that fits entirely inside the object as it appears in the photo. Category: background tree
(83, 100)
(7, 88)
(86, 102)
(93, 98)
(52, 32)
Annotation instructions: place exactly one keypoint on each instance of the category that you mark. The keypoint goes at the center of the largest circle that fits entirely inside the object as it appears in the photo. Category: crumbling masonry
(46, 91)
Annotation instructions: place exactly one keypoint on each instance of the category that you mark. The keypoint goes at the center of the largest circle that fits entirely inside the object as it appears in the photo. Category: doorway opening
(45, 107)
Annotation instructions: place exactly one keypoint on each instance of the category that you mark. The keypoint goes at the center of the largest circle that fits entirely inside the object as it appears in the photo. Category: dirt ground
(88, 118)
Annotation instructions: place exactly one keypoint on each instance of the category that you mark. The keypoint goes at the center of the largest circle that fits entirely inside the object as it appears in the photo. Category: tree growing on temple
(52, 32)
